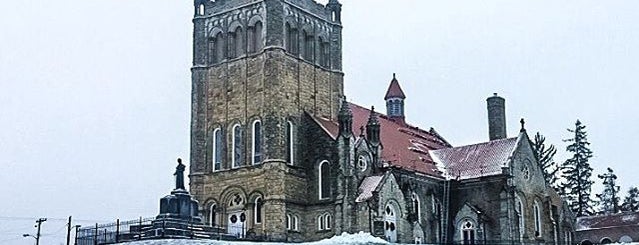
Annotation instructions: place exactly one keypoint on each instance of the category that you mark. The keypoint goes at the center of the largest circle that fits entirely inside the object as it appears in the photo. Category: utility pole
(39, 224)
(77, 227)
(69, 231)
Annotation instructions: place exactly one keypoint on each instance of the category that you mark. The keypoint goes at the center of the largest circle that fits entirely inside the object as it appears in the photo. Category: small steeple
(345, 119)
(395, 101)
(372, 129)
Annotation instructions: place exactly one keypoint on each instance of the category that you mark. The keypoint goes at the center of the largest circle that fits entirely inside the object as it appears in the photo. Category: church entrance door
(390, 224)
(237, 224)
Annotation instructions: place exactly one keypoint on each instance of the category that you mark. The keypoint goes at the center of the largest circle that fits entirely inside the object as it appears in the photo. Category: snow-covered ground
(351, 239)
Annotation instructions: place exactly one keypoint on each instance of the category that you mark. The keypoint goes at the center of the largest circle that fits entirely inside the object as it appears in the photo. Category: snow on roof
(368, 186)
(354, 239)
(473, 161)
(607, 221)
(403, 145)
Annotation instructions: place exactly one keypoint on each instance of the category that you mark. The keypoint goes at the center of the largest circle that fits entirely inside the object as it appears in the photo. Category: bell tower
(258, 66)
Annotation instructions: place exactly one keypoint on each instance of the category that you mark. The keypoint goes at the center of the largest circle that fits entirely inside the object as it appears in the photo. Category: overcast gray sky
(95, 95)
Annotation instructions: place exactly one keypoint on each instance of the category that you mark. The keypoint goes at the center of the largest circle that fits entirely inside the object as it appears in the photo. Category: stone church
(278, 152)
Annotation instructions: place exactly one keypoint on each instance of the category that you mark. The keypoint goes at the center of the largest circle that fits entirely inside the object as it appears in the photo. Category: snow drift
(351, 239)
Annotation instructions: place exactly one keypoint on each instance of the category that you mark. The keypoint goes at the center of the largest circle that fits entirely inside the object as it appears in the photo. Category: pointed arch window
(537, 214)
(237, 154)
(468, 232)
(519, 209)
(257, 142)
(416, 207)
(217, 149)
(257, 211)
(324, 182)
(296, 221)
(289, 143)
(320, 222)
(289, 222)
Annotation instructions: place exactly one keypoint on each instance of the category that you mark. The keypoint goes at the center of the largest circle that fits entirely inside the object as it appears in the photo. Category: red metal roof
(607, 221)
(394, 90)
(403, 145)
(473, 161)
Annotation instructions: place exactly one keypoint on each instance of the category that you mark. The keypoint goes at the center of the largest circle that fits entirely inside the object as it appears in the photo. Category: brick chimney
(496, 117)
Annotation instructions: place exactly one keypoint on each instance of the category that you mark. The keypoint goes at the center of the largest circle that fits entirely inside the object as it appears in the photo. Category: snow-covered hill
(350, 239)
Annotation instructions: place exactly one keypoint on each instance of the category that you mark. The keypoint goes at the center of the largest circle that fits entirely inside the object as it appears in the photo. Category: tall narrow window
(238, 154)
(201, 10)
(217, 149)
(327, 219)
(255, 37)
(296, 221)
(519, 209)
(323, 53)
(219, 47)
(537, 219)
(236, 44)
(258, 210)
(324, 184)
(320, 222)
(288, 222)
(416, 207)
(213, 215)
(257, 142)
(211, 51)
(289, 143)
(308, 48)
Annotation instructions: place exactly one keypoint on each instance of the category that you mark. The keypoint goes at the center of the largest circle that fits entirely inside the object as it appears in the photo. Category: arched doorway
(390, 223)
(236, 218)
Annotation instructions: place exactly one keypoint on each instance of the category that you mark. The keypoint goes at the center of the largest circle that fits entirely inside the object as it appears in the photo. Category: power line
(53, 219)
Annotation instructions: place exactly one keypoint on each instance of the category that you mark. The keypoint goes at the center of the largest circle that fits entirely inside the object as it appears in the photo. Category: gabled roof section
(478, 160)
(403, 145)
(608, 221)
(368, 186)
(394, 90)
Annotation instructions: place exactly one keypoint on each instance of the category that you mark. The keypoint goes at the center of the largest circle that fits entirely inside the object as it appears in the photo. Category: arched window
(257, 142)
(237, 154)
(257, 211)
(390, 223)
(327, 220)
(324, 183)
(288, 222)
(308, 45)
(416, 207)
(201, 10)
(436, 206)
(468, 232)
(291, 39)
(296, 221)
(219, 48)
(320, 222)
(213, 215)
(289, 143)
(211, 51)
(323, 53)
(255, 37)
(519, 209)
(217, 149)
(236, 44)
(537, 213)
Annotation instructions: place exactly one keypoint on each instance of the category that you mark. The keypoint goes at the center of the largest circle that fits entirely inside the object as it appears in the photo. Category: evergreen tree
(545, 157)
(631, 202)
(577, 172)
(609, 198)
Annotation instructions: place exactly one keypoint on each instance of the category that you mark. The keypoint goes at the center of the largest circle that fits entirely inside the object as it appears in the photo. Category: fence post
(140, 229)
(95, 235)
(117, 230)
(106, 240)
